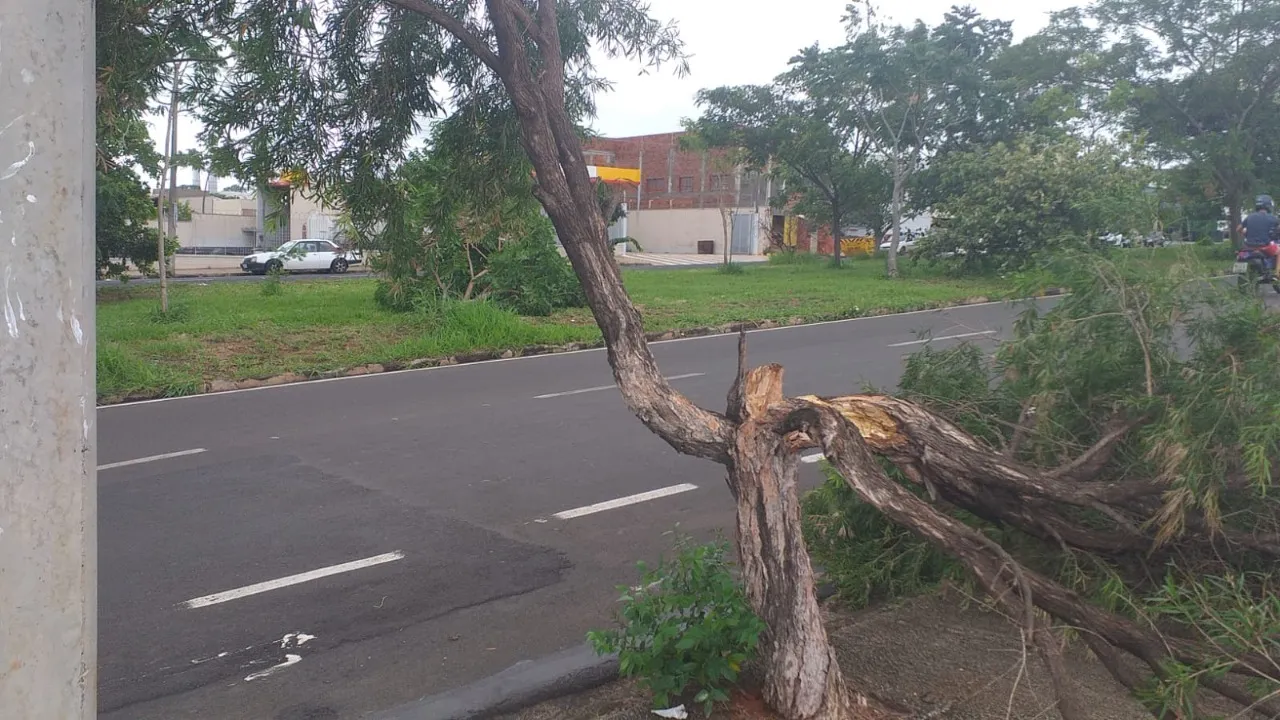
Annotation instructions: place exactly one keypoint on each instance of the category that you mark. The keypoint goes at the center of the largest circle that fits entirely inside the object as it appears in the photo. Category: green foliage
(865, 555)
(1009, 203)
(272, 285)
(126, 232)
(1196, 79)
(136, 42)
(531, 277)
(687, 627)
(810, 142)
(731, 268)
(371, 73)
(1196, 364)
(1239, 615)
(179, 312)
(184, 210)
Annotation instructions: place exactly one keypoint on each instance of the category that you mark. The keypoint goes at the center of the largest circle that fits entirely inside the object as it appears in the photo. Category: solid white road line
(624, 501)
(607, 387)
(153, 458)
(810, 459)
(283, 582)
(944, 337)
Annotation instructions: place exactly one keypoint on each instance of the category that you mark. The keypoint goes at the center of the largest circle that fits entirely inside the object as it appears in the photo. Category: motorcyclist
(1261, 229)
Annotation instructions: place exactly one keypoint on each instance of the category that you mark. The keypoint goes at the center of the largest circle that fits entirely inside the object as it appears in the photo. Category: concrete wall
(204, 231)
(303, 220)
(679, 230)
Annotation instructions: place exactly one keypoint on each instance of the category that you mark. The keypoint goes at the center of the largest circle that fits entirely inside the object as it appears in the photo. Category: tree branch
(457, 28)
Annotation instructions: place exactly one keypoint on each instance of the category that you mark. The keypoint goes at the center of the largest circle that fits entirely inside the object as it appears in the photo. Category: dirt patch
(932, 654)
(928, 655)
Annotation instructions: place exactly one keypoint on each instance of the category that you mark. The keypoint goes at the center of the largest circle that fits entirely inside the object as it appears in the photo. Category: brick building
(685, 198)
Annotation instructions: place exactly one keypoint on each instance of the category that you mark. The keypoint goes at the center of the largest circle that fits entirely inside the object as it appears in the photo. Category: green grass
(233, 331)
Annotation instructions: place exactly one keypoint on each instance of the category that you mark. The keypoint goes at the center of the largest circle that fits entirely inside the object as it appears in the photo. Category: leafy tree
(460, 207)
(136, 42)
(1199, 79)
(126, 230)
(1009, 203)
(813, 143)
(911, 91)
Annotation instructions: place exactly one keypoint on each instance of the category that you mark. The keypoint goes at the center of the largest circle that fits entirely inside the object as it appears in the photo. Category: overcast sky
(740, 42)
(734, 42)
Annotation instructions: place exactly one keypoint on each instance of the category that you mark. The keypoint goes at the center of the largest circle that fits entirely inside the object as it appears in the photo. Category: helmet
(1264, 202)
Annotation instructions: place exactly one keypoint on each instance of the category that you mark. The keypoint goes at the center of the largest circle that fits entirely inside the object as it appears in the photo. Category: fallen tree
(1124, 455)
(363, 69)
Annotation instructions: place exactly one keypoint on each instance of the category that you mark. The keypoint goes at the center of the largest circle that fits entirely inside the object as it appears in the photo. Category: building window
(686, 184)
(655, 185)
(720, 183)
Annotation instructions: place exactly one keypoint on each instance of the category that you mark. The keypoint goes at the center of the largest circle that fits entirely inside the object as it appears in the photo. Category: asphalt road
(424, 506)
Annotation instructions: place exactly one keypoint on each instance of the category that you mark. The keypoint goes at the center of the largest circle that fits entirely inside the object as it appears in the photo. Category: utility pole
(170, 129)
(173, 157)
(48, 460)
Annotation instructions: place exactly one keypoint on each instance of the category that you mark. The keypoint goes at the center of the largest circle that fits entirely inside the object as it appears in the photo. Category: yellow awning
(614, 175)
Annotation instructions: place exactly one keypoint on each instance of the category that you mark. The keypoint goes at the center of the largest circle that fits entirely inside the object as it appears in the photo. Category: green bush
(687, 628)
(272, 284)
(866, 556)
(530, 276)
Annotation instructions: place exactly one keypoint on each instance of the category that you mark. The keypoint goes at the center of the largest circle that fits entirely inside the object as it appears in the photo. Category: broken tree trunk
(757, 438)
(803, 680)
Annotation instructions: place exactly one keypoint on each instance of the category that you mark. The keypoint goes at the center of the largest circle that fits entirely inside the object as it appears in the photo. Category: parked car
(301, 256)
(908, 242)
(1117, 240)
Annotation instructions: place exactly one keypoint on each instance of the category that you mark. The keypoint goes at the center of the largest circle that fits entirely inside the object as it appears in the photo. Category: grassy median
(233, 331)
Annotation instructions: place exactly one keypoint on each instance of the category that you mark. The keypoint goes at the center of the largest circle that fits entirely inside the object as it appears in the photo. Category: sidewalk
(679, 260)
(196, 265)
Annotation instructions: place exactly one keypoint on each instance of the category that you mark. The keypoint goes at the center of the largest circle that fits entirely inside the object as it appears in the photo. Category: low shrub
(532, 278)
(866, 556)
(687, 627)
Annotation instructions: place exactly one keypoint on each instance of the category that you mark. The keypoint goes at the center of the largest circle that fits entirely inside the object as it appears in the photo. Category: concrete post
(48, 500)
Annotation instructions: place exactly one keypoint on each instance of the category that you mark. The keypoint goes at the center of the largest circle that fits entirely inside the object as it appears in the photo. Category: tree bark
(803, 680)
(836, 221)
(899, 183)
(566, 193)
(1234, 202)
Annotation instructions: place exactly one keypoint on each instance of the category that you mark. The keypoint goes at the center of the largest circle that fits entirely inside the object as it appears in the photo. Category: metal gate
(744, 235)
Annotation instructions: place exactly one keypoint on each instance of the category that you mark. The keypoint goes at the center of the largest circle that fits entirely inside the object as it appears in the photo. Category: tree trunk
(173, 165)
(836, 222)
(162, 247)
(726, 225)
(802, 678)
(899, 181)
(1234, 203)
(550, 140)
(803, 681)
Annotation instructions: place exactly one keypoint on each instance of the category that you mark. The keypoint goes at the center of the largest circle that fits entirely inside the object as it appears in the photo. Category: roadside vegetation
(234, 331)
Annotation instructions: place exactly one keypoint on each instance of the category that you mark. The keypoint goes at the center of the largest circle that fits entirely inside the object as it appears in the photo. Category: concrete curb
(220, 386)
(526, 683)
(529, 682)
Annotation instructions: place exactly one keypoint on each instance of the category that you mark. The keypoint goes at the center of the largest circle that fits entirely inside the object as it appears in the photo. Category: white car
(908, 242)
(301, 256)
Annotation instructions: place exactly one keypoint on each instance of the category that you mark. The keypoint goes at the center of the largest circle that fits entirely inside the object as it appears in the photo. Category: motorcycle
(1256, 266)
